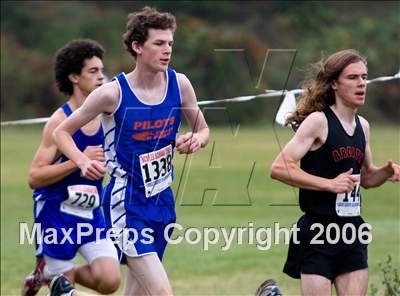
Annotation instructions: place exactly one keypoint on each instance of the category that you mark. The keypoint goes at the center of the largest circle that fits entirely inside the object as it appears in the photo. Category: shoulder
(315, 120)
(55, 119)
(187, 92)
(106, 97)
(183, 80)
(315, 125)
(108, 91)
(365, 125)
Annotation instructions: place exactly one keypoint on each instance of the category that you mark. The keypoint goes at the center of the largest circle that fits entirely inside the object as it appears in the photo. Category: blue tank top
(59, 190)
(140, 137)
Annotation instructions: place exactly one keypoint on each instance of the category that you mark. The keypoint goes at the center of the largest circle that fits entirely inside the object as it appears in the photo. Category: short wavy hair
(139, 23)
(71, 59)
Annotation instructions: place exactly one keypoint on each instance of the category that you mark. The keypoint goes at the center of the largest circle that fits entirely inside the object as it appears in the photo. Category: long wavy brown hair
(318, 92)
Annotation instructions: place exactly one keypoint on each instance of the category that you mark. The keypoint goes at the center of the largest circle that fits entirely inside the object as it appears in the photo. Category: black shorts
(330, 258)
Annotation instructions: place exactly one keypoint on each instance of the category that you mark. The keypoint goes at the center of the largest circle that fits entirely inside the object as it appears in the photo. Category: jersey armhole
(179, 86)
(323, 141)
(119, 100)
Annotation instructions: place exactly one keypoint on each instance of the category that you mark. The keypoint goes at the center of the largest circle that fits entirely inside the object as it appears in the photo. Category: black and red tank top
(338, 154)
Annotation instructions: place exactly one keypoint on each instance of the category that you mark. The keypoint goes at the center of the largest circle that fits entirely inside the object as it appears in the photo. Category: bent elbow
(32, 183)
(365, 185)
(275, 171)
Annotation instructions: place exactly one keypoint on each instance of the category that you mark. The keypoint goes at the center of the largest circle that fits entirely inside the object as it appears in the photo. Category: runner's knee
(106, 275)
(107, 283)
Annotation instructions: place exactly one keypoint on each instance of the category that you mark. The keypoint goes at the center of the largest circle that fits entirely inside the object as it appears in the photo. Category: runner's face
(91, 76)
(157, 49)
(351, 85)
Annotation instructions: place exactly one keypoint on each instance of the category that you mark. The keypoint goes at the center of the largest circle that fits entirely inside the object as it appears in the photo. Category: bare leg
(352, 283)
(132, 286)
(150, 274)
(312, 284)
(101, 275)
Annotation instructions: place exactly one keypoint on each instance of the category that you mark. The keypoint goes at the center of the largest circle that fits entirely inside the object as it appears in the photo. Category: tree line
(221, 46)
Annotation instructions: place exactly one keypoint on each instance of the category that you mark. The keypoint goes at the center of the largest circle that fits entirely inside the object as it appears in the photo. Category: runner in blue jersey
(66, 203)
(141, 113)
(332, 145)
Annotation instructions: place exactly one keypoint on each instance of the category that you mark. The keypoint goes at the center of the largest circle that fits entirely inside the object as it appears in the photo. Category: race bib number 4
(156, 170)
(82, 200)
(349, 204)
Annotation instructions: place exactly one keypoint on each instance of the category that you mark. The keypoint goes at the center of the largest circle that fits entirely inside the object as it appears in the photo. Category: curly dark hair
(70, 59)
(140, 22)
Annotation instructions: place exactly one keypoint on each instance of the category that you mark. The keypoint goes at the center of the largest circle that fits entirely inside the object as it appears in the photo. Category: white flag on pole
(287, 107)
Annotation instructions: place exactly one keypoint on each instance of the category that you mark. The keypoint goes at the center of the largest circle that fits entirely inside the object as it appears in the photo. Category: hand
(395, 168)
(344, 182)
(188, 143)
(92, 169)
(95, 152)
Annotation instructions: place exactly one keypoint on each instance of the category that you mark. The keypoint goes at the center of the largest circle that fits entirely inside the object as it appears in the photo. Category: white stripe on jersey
(113, 167)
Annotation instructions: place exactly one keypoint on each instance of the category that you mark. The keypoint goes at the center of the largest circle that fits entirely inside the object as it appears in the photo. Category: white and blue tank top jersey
(140, 137)
(59, 191)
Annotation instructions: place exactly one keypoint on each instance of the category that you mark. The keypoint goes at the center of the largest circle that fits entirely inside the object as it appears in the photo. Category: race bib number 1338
(156, 170)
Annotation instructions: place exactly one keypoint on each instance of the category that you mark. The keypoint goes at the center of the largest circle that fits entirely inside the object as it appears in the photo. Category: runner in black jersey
(332, 144)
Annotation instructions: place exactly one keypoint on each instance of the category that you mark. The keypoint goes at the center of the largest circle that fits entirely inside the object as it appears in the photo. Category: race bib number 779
(156, 170)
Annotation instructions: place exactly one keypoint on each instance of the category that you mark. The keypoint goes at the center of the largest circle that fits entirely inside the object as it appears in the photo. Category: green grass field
(225, 185)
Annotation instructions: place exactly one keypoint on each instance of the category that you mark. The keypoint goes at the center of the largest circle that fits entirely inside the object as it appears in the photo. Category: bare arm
(372, 176)
(198, 138)
(101, 100)
(312, 131)
(43, 172)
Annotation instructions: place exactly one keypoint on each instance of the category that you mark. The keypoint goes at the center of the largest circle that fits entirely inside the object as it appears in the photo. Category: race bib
(156, 170)
(349, 204)
(82, 200)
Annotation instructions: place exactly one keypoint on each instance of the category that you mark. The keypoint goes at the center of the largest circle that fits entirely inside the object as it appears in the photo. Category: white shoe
(268, 288)
(61, 286)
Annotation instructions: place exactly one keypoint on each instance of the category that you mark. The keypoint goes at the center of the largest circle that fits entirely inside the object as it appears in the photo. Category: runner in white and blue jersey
(141, 116)
(70, 201)
(66, 204)
(140, 139)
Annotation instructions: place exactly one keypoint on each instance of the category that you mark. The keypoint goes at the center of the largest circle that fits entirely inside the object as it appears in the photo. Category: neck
(145, 78)
(76, 100)
(345, 113)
